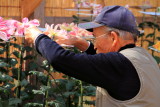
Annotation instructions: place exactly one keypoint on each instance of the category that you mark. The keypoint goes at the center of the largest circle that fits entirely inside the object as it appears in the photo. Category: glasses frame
(103, 35)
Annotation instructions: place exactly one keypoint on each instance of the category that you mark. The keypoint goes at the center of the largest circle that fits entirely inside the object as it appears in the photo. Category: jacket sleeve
(91, 50)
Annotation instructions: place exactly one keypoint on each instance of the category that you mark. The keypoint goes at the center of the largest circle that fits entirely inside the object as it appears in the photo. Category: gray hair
(123, 34)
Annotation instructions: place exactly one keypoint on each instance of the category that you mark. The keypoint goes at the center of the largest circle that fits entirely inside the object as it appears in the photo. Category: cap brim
(89, 25)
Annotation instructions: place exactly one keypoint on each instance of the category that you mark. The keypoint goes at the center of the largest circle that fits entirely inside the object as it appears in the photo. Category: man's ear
(114, 37)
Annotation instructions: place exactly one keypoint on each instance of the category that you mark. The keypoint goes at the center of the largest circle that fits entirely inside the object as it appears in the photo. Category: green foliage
(14, 101)
(24, 83)
(5, 78)
(89, 102)
(38, 92)
(157, 59)
(13, 62)
(149, 24)
(152, 36)
(42, 90)
(2, 50)
(158, 38)
(18, 46)
(4, 103)
(17, 54)
(76, 19)
(32, 65)
(24, 86)
(33, 105)
(55, 104)
(3, 64)
(28, 49)
(28, 57)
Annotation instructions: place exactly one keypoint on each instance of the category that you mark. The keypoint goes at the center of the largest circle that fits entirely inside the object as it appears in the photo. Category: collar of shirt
(127, 46)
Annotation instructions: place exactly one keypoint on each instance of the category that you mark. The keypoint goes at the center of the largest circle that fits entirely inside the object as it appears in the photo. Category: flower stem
(45, 104)
(78, 16)
(154, 32)
(143, 20)
(81, 96)
(18, 91)
(7, 54)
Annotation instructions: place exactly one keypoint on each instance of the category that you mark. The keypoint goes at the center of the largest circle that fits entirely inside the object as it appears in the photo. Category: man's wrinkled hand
(70, 40)
(31, 34)
(78, 42)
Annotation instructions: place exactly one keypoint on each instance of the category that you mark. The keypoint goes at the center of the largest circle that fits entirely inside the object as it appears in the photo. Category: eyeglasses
(103, 35)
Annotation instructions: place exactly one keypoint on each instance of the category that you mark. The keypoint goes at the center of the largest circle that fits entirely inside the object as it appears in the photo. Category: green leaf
(150, 42)
(34, 72)
(45, 88)
(89, 102)
(70, 85)
(5, 78)
(75, 21)
(14, 101)
(8, 86)
(2, 50)
(61, 81)
(17, 54)
(141, 35)
(32, 65)
(150, 35)
(157, 59)
(28, 49)
(16, 45)
(4, 103)
(24, 83)
(15, 73)
(158, 38)
(4, 90)
(55, 103)
(33, 105)
(24, 95)
(45, 65)
(38, 92)
(1, 89)
(28, 57)
(67, 94)
(3, 64)
(13, 61)
(3, 70)
(39, 74)
(159, 29)
(89, 90)
(75, 17)
(149, 24)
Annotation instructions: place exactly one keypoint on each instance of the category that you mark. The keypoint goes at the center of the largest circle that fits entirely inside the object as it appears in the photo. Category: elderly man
(125, 75)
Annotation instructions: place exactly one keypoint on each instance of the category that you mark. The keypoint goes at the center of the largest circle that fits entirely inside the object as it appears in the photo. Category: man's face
(103, 40)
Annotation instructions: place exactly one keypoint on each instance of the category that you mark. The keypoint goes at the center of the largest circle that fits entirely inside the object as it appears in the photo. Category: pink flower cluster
(96, 8)
(82, 3)
(10, 27)
(52, 31)
(66, 30)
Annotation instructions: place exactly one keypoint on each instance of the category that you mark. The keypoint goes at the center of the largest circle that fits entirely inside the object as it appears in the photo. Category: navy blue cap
(116, 17)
